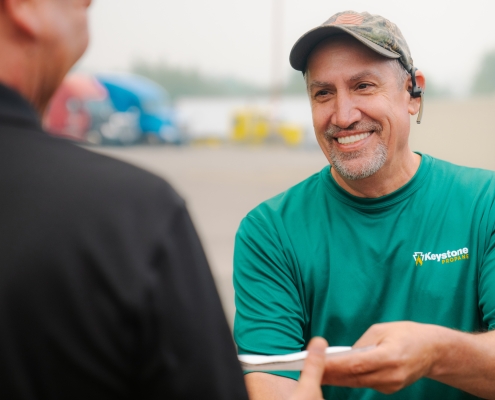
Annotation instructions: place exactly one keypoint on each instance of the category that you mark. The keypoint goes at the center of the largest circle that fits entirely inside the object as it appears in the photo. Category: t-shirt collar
(380, 202)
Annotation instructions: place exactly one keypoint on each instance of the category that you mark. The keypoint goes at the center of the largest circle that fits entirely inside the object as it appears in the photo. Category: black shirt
(105, 292)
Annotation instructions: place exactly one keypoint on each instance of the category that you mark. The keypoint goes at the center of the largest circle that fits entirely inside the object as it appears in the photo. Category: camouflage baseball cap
(374, 31)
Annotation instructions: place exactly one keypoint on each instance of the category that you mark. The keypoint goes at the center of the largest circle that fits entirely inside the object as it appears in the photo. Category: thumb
(309, 386)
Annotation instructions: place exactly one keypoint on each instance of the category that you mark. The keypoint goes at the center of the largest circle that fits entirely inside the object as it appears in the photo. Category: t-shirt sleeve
(191, 353)
(486, 288)
(269, 313)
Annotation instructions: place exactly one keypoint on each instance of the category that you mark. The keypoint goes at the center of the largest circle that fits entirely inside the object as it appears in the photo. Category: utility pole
(277, 62)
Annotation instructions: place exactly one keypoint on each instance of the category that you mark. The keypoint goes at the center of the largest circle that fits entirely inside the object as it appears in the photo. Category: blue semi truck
(136, 94)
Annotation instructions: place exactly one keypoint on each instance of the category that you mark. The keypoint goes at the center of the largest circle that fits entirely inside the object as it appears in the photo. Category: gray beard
(373, 160)
(370, 165)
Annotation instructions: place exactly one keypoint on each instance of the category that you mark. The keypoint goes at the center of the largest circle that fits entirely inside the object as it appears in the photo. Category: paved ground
(220, 186)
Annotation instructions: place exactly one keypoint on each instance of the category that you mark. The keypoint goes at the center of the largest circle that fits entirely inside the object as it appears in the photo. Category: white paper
(289, 362)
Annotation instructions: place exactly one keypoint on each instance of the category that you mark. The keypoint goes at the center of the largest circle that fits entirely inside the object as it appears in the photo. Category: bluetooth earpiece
(416, 92)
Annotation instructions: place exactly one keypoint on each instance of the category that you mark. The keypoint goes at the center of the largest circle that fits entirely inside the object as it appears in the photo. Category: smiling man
(384, 248)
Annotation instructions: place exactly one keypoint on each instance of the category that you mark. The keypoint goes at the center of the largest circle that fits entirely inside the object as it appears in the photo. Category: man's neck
(387, 180)
(20, 70)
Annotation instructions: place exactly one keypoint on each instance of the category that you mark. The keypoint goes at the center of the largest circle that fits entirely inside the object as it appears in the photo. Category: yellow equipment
(253, 126)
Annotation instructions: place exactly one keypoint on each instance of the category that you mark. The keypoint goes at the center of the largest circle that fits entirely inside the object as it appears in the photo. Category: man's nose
(345, 112)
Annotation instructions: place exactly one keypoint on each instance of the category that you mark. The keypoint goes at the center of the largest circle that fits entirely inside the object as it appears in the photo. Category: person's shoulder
(461, 175)
(97, 169)
(85, 176)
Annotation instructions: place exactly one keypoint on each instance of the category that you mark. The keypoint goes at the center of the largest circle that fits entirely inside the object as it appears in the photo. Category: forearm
(262, 386)
(466, 361)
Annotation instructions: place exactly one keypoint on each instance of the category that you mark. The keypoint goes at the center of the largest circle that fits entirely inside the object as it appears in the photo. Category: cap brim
(306, 43)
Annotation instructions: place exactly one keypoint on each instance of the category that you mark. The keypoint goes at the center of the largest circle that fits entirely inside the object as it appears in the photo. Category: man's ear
(24, 15)
(414, 102)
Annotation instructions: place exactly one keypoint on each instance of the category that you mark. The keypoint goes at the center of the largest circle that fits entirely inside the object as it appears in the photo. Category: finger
(364, 362)
(346, 367)
(386, 381)
(373, 368)
(373, 336)
(309, 386)
(314, 365)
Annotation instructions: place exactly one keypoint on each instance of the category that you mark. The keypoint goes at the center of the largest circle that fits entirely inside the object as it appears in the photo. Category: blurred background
(202, 94)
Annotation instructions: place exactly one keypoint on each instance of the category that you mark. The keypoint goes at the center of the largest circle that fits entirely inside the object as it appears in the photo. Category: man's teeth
(353, 138)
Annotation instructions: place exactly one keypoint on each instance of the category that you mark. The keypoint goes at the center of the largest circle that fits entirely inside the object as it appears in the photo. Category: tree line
(191, 82)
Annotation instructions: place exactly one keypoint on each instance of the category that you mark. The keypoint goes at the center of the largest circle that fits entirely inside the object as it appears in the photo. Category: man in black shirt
(105, 292)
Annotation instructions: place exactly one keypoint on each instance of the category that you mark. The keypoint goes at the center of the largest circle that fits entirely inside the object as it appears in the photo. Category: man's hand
(309, 385)
(408, 351)
(404, 353)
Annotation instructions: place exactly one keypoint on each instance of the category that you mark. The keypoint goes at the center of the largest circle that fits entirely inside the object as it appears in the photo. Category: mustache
(356, 126)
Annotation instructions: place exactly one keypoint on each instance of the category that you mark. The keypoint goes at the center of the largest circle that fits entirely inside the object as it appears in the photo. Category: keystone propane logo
(449, 256)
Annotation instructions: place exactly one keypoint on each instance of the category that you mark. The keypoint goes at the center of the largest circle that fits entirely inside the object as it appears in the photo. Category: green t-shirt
(318, 261)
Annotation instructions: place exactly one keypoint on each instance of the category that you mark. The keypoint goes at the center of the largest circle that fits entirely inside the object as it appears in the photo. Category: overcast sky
(234, 37)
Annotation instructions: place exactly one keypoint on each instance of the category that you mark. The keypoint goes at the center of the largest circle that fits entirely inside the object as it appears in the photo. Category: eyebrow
(353, 78)
(319, 84)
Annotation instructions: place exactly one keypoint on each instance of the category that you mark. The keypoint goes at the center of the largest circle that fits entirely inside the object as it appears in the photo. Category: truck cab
(139, 95)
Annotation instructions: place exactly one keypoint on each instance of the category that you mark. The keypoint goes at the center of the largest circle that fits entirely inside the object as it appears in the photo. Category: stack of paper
(288, 362)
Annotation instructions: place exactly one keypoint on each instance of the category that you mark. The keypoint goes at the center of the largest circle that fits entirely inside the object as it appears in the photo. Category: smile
(353, 138)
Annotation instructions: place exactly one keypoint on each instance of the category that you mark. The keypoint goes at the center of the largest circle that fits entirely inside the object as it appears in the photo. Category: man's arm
(269, 312)
(262, 386)
(467, 362)
(408, 351)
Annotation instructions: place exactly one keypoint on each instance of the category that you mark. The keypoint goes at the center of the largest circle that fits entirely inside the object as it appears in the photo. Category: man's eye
(321, 93)
(362, 86)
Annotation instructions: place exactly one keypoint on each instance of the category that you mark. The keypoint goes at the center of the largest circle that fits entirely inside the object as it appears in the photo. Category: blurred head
(357, 73)
(42, 40)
